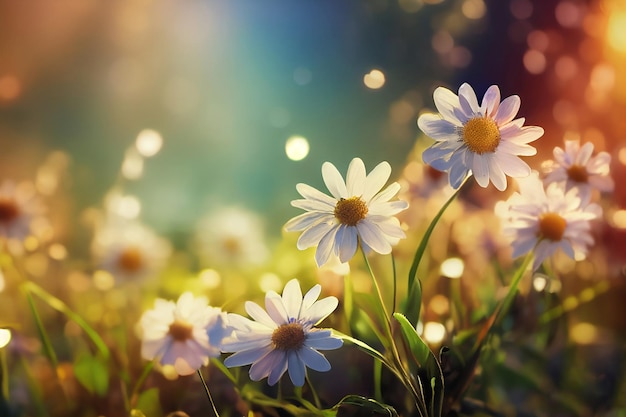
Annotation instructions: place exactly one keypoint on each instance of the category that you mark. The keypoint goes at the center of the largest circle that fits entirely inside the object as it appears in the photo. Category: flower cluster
(542, 213)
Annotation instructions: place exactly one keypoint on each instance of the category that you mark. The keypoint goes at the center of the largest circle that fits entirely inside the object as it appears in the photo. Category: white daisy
(232, 236)
(357, 212)
(184, 334)
(283, 338)
(18, 207)
(544, 220)
(576, 167)
(128, 249)
(483, 140)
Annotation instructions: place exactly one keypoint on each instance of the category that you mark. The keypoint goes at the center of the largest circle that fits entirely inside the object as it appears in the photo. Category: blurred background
(226, 84)
(193, 106)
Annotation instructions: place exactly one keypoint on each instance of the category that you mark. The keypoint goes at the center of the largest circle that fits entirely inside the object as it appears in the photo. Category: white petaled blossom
(283, 338)
(183, 334)
(544, 220)
(576, 167)
(485, 140)
(128, 249)
(18, 207)
(357, 212)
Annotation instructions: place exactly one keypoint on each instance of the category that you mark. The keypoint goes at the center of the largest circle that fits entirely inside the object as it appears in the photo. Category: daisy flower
(484, 139)
(283, 338)
(183, 334)
(357, 212)
(545, 220)
(576, 167)
(128, 249)
(18, 207)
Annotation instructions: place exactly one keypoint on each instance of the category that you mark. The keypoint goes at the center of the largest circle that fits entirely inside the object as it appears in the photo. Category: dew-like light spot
(149, 142)
(297, 148)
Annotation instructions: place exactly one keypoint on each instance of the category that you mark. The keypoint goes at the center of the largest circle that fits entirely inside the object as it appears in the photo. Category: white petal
(513, 166)
(385, 195)
(262, 367)
(278, 370)
(507, 110)
(313, 235)
(355, 178)
(388, 208)
(480, 169)
(326, 246)
(314, 194)
(320, 310)
(292, 298)
(584, 154)
(376, 180)
(446, 102)
(373, 237)
(324, 343)
(306, 220)
(275, 308)
(468, 100)
(525, 135)
(312, 205)
(496, 175)
(334, 181)
(313, 359)
(257, 313)
(491, 101)
(296, 369)
(346, 243)
(246, 357)
(390, 226)
(437, 128)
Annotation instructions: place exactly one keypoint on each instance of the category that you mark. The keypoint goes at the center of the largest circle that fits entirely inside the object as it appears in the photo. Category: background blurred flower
(128, 249)
(284, 337)
(357, 212)
(544, 220)
(184, 334)
(576, 167)
(232, 236)
(484, 140)
(18, 207)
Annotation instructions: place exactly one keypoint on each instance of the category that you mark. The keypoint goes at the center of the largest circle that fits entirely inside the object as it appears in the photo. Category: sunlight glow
(615, 31)
(452, 268)
(375, 79)
(149, 142)
(584, 333)
(434, 332)
(5, 337)
(297, 148)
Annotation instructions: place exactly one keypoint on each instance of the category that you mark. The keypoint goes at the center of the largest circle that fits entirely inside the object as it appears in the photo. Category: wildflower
(184, 334)
(483, 140)
(232, 236)
(544, 220)
(283, 338)
(18, 207)
(129, 250)
(357, 212)
(576, 167)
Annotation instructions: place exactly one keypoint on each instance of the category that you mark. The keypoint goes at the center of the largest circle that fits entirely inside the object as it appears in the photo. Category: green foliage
(92, 373)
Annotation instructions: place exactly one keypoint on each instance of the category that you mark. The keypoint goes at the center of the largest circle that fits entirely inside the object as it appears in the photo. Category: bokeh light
(452, 268)
(149, 142)
(297, 148)
(5, 337)
(374, 79)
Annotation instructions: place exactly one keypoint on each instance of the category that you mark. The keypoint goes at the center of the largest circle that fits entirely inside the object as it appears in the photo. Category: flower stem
(510, 295)
(316, 398)
(135, 393)
(208, 393)
(399, 367)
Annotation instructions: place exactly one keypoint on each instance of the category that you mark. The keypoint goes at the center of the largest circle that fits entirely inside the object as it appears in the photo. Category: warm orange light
(616, 35)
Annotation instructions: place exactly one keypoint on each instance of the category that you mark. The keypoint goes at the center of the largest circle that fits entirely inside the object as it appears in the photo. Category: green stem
(134, 396)
(60, 306)
(419, 253)
(378, 373)
(4, 374)
(406, 379)
(208, 393)
(43, 335)
(316, 398)
(510, 295)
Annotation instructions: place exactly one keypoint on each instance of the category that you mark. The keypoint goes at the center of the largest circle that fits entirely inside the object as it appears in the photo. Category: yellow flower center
(577, 173)
(288, 337)
(481, 134)
(130, 259)
(350, 211)
(8, 210)
(180, 330)
(551, 226)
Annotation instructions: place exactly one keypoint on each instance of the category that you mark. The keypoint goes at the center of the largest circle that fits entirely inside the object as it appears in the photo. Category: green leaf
(92, 374)
(413, 305)
(418, 347)
(148, 403)
(365, 406)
